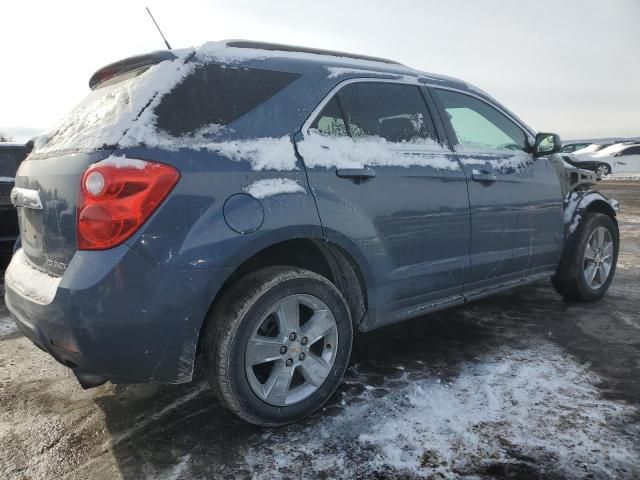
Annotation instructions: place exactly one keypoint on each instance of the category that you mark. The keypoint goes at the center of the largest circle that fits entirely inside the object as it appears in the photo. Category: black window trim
(624, 151)
(419, 82)
(315, 114)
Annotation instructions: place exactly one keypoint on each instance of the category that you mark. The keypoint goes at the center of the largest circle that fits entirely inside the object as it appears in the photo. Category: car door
(628, 160)
(516, 200)
(385, 184)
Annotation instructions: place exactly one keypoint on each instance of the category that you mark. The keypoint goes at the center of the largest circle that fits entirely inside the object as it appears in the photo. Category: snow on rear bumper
(30, 282)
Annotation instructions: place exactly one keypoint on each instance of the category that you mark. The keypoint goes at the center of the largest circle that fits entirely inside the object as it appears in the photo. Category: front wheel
(603, 169)
(277, 345)
(589, 261)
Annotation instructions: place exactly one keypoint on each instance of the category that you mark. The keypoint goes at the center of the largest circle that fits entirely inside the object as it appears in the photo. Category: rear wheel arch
(316, 255)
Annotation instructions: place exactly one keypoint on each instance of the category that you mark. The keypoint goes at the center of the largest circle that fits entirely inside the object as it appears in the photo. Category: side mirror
(546, 144)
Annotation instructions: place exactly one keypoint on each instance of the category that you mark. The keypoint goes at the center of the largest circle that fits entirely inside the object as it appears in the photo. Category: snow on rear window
(108, 112)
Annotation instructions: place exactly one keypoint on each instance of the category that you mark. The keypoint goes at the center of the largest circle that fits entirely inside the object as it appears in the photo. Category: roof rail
(316, 51)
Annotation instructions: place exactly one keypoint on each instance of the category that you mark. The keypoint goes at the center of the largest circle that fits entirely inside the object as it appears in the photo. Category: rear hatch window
(155, 104)
(216, 95)
(121, 93)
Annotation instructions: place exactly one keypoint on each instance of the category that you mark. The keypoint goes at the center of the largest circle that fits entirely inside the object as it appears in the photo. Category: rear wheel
(277, 345)
(589, 261)
(603, 169)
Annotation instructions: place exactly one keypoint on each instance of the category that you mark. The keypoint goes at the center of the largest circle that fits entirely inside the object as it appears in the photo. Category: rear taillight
(117, 196)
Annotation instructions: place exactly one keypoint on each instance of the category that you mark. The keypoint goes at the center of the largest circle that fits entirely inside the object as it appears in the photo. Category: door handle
(484, 177)
(361, 173)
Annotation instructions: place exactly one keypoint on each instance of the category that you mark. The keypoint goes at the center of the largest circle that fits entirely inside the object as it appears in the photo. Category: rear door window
(217, 95)
(330, 121)
(394, 112)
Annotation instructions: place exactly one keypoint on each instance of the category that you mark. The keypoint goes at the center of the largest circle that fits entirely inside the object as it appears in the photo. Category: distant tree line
(5, 138)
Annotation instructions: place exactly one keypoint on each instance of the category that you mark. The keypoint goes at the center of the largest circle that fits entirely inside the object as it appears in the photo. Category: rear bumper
(113, 315)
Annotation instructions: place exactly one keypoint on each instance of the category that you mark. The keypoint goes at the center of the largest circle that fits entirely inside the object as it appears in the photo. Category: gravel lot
(521, 385)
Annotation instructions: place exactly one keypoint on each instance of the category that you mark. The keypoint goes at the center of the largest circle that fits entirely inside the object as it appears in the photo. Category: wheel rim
(291, 351)
(598, 258)
(603, 170)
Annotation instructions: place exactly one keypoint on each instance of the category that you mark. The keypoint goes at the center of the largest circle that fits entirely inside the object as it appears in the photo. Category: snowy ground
(521, 385)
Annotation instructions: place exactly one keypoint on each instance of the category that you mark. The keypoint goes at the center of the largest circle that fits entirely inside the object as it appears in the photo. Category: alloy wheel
(598, 258)
(292, 349)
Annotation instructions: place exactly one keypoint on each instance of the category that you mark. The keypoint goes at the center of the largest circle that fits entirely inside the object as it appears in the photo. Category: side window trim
(347, 127)
(306, 126)
(451, 134)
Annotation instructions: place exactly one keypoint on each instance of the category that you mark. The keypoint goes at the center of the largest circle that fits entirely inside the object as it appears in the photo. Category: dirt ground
(521, 385)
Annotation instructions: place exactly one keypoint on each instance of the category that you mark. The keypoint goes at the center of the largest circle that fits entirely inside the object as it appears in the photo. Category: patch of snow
(512, 395)
(30, 282)
(120, 161)
(7, 327)
(570, 205)
(25, 197)
(269, 187)
(335, 72)
(503, 161)
(575, 223)
(621, 176)
(615, 204)
(343, 152)
(262, 153)
(221, 51)
(536, 404)
(104, 116)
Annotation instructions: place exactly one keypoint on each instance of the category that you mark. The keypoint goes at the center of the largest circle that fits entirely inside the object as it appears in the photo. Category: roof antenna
(160, 31)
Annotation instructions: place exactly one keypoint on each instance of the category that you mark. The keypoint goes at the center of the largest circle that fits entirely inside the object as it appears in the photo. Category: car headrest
(397, 129)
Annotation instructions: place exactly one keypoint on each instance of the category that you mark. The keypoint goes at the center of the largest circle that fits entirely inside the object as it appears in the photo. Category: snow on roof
(12, 145)
(123, 113)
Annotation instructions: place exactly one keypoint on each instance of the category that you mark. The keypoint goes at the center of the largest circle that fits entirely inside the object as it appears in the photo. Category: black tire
(603, 169)
(230, 327)
(569, 280)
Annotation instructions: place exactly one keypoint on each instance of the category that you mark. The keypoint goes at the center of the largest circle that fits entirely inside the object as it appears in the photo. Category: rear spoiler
(127, 65)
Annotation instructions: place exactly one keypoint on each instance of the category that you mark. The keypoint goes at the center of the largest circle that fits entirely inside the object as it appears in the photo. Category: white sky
(569, 66)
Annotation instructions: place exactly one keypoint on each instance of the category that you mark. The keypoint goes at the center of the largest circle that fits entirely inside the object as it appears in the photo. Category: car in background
(572, 147)
(617, 158)
(11, 155)
(593, 148)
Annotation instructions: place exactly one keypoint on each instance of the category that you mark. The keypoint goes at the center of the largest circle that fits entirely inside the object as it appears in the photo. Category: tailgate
(46, 194)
